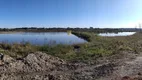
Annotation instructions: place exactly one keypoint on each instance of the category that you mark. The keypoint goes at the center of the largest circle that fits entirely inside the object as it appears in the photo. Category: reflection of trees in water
(41, 39)
(43, 33)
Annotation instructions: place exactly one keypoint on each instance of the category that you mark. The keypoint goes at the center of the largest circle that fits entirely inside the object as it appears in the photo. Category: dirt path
(128, 69)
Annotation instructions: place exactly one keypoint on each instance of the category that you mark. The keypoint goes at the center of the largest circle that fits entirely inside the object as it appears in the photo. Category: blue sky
(70, 13)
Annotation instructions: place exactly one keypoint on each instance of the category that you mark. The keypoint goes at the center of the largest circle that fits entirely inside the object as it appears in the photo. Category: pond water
(41, 38)
(117, 34)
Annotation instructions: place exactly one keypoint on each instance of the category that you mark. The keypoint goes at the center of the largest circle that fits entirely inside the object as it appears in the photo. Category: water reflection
(41, 38)
(117, 34)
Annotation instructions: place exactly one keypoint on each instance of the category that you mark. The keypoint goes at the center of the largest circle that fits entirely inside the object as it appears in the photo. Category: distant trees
(91, 29)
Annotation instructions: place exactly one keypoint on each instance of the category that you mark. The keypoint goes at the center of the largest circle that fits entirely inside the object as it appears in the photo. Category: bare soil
(40, 66)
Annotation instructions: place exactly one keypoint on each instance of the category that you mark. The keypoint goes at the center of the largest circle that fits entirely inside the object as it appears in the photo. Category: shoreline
(9, 32)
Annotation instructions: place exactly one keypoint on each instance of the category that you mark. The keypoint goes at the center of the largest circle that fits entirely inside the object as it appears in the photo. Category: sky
(71, 13)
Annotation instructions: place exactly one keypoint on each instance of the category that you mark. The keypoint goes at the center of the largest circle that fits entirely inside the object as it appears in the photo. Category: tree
(91, 27)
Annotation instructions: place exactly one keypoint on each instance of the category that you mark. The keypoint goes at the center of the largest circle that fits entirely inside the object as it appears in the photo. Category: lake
(117, 34)
(41, 38)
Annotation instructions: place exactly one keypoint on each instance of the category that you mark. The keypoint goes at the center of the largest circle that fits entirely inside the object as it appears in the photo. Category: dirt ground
(40, 66)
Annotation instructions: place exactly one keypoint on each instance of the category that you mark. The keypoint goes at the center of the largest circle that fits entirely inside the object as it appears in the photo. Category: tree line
(91, 29)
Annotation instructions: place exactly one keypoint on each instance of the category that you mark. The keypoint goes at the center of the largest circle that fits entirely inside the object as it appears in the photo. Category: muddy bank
(40, 66)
